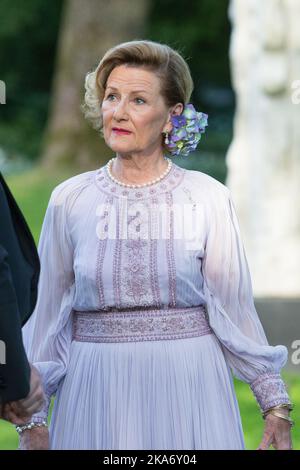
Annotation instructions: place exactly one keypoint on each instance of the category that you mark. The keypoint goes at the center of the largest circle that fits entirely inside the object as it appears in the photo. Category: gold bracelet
(276, 413)
(274, 408)
(289, 406)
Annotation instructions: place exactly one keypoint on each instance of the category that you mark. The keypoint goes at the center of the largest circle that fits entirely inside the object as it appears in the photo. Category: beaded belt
(140, 325)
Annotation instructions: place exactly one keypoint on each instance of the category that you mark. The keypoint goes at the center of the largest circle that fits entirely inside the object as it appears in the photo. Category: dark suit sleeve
(14, 366)
(23, 259)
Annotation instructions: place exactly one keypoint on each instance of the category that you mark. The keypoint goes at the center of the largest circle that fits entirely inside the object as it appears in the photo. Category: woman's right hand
(34, 439)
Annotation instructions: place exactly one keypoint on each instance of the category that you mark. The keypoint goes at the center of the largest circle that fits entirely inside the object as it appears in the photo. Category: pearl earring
(167, 138)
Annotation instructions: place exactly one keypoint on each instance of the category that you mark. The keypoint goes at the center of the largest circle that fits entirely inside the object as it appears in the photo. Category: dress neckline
(166, 184)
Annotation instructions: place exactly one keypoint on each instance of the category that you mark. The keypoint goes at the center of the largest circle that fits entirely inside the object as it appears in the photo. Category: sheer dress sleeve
(47, 334)
(231, 310)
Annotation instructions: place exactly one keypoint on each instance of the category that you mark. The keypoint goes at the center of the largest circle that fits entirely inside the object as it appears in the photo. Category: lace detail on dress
(101, 253)
(269, 390)
(170, 181)
(135, 278)
(135, 271)
(170, 253)
(135, 262)
(140, 325)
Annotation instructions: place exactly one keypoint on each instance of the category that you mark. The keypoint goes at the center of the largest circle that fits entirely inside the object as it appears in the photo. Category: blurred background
(46, 49)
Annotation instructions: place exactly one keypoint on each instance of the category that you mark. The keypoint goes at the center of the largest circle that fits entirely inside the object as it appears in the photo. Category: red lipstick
(120, 130)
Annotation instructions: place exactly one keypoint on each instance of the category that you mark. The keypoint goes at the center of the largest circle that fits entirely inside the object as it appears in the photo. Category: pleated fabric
(169, 394)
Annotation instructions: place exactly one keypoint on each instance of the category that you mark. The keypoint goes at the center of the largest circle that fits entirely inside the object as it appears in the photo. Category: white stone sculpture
(263, 159)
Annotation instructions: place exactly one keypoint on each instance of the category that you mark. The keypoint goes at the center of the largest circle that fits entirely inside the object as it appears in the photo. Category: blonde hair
(169, 65)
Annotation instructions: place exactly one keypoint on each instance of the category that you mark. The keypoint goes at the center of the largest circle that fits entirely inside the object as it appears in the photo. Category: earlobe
(167, 130)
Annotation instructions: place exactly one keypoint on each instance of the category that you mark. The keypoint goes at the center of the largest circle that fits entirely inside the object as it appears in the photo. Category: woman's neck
(138, 170)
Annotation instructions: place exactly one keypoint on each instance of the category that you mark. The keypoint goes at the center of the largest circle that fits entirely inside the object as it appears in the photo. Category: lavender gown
(146, 382)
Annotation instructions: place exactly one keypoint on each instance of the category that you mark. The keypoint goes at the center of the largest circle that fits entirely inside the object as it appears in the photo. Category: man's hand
(277, 433)
(20, 411)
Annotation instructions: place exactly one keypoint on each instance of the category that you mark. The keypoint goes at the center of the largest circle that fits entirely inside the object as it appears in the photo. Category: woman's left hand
(277, 433)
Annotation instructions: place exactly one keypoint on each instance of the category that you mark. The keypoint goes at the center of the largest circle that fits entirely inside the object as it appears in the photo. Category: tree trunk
(88, 29)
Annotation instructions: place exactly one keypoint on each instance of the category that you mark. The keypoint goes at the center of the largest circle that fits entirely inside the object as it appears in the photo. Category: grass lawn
(32, 191)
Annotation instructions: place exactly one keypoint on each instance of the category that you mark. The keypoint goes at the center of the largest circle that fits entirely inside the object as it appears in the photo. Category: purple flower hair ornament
(186, 131)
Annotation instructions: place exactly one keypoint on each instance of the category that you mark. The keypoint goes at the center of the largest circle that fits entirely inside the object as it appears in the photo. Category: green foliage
(209, 163)
(28, 37)
(32, 191)
(203, 28)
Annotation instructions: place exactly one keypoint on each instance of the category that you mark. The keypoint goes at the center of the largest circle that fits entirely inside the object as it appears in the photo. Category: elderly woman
(142, 317)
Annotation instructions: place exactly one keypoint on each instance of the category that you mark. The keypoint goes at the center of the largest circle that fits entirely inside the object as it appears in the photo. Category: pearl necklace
(110, 162)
